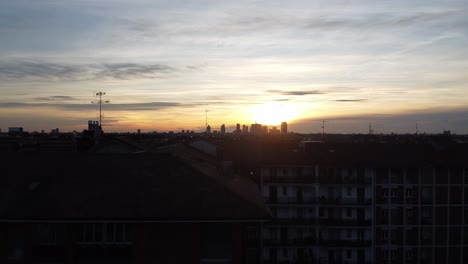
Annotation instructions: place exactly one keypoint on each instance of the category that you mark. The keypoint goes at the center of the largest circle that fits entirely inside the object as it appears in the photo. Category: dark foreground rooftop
(134, 187)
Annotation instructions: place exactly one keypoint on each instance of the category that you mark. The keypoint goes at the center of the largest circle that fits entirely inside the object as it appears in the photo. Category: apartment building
(367, 204)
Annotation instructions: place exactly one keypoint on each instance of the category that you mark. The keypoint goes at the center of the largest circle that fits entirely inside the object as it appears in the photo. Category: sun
(273, 113)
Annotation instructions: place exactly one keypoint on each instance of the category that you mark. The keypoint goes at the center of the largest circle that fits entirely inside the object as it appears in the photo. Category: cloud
(380, 20)
(107, 107)
(350, 100)
(298, 93)
(55, 98)
(27, 70)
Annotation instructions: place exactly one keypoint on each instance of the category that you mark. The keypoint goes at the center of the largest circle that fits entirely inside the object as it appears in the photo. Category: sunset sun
(273, 113)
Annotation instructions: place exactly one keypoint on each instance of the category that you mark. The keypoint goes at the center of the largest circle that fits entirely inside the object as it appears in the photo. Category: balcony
(344, 222)
(290, 200)
(290, 242)
(345, 243)
(347, 180)
(347, 201)
(293, 221)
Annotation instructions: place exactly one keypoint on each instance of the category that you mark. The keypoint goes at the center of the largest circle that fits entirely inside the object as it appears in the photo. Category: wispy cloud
(108, 107)
(350, 100)
(56, 98)
(24, 70)
(296, 93)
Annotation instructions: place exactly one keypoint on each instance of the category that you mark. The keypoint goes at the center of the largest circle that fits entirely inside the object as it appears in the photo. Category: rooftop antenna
(417, 129)
(206, 118)
(370, 129)
(323, 128)
(100, 102)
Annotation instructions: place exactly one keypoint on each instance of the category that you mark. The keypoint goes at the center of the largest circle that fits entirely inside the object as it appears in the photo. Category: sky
(173, 65)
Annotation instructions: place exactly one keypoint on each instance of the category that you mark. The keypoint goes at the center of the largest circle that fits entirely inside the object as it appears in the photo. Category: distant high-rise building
(223, 129)
(208, 129)
(93, 125)
(256, 129)
(284, 128)
(244, 129)
(238, 130)
(265, 129)
(274, 130)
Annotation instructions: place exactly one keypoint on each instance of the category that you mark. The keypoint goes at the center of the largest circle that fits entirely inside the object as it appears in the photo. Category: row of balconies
(319, 242)
(319, 200)
(416, 200)
(323, 221)
(310, 179)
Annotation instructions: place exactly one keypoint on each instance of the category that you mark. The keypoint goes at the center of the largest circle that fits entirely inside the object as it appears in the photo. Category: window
(350, 191)
(385, 255)
(300, 213)
(349, 212)
(393, 255)
(321, 212)
(285, 190)
(393, 193)
(409, 255)
(385, 192)
(44, 234)
(385, 234)
(409, 212)
(251, 234)
(349, 253)
(384, 213)
(272, 171)
(103, 233)
(285, 252)
(409, 193)
(348, 233)
(299, 171)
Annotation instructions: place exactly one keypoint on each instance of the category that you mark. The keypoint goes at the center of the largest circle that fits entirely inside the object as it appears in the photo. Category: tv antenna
(206, 118)
(323, 128)
(100, 102)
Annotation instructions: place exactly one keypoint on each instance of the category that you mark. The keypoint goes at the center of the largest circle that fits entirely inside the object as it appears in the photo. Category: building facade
(348, 211)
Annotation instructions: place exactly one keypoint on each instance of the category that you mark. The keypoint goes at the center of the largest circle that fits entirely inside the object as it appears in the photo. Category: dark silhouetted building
(125, 208)
(366, 203)
(238, 130)
(284, 128)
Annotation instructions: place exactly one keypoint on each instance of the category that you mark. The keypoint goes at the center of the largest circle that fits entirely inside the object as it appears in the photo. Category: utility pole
(100, 102)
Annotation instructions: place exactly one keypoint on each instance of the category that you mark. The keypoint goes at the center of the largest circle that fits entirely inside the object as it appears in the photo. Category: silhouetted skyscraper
(223, 129)
(238, 130)
(256, 129)
(284, 128)
(208, 129)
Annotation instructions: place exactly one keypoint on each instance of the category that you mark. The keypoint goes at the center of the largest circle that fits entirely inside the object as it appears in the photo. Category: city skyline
(393, 64)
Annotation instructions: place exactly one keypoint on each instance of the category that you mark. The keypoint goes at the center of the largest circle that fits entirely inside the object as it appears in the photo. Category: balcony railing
(290, 242)
(340, 200)
(343, 222)
(294, 220)
(290, 200)
(345, 243)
